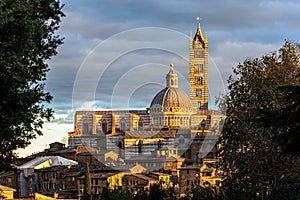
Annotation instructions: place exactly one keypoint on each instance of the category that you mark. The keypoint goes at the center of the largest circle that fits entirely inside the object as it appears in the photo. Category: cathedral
(175, 126)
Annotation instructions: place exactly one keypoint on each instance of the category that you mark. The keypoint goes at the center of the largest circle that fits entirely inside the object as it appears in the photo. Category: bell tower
(199, 69)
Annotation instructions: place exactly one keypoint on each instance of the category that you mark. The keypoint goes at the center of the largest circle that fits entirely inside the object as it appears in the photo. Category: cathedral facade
(175, 126)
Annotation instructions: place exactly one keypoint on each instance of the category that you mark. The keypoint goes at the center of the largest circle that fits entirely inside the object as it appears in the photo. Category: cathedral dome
(171, 97)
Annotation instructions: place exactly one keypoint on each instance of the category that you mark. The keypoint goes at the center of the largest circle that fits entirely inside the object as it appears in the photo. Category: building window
(199, 104)
(181, 141)
(199, 54)
(199, 158)
(104, 126)
(120, 147)
(208, 120)
(199, 81)
(141, 124)
(140, 146)
(199, 68)
(85, 128)
(159, 144)
(199, 93)
(123, 125)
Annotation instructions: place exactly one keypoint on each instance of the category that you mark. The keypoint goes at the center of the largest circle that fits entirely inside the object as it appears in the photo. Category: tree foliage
(251, 153)
(116, 194)
(285, 119)
(87, 183)
(27, 41)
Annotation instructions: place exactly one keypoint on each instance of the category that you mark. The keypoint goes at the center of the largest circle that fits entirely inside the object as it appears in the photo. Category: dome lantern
(172, 78)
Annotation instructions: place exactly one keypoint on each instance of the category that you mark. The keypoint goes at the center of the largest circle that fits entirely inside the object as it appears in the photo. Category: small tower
(172, 78)
(199, 69)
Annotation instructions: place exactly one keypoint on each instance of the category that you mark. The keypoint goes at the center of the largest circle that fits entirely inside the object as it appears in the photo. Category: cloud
(229, 53)
(236, 30)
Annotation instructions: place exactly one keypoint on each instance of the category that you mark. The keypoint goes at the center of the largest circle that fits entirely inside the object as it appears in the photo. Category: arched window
(199, 93)
(120, 146)
(104, 126)
(123, 124)
(199, 81)
(199, 158)
(85, 128)
(140, 144)
(159, 144)
(141, 124)
(181, 140)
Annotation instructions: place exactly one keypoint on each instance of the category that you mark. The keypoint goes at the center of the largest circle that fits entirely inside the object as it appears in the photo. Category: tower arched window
(199, 93)
(199, 104)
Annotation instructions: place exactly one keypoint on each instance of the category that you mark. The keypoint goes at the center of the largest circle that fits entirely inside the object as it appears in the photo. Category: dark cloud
(236, 30)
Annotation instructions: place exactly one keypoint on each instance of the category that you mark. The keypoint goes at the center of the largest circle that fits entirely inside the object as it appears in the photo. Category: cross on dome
(172, 66)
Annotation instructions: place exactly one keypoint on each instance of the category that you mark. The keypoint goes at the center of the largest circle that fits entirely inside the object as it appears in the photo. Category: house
(138, 181)
(7, 192)
(60, 180)
(101, 180)
(189, 176)
(209, 176)
(9, 178)
(28, 177)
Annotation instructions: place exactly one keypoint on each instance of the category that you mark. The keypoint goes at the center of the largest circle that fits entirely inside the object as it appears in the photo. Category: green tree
(253, 164)
(116, 194)
(27, 41)
(209, 193)
(141, 194)
(88, 182)
(285, 119)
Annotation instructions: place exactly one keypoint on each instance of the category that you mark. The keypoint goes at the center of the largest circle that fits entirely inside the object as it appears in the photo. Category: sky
(116, 53)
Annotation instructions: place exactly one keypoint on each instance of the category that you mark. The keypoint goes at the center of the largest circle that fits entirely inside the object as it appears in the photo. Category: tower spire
(199, 35)
(199, 69)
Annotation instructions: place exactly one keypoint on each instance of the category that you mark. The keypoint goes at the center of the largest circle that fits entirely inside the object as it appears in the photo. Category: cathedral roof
(171, 97)
(150, 134)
